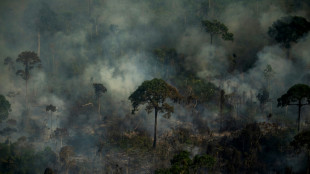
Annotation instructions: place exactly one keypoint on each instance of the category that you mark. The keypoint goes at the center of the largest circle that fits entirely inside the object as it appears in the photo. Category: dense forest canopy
(222, 73)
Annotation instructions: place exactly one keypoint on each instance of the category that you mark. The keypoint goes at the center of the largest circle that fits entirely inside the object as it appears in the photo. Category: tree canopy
(5, 108)
(302, 140)
(29, 59)
(182, 163)
(154, 93)
(99, 89)
(288, 30)
(217, 28)
(298, 95)
(51, 108)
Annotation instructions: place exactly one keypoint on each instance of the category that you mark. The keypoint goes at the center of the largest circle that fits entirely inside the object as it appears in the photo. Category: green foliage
(289, 29)
(167, 58)
(23, 159)
(194, 88)
(203, 161)
(165, 54)
(154, 93)
(5, 108)
(302, 140)
(182, 163)
(217, 28)
(296, 93)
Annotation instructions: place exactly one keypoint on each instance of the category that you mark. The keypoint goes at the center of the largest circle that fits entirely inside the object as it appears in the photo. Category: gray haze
(112, 42)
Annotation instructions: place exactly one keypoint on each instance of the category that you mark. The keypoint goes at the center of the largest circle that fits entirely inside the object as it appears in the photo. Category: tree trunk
(51, 123)
(211, 38)
(155, 129)
(99, 107)
(299, 108)
(26, 95)
(39, 44)
(221, 108)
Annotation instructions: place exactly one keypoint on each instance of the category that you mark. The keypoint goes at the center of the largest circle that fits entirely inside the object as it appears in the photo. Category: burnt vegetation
(163, 86)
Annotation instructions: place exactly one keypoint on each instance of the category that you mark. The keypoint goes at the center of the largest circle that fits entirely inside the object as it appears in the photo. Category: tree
(9, 62)
(30, 60)
(165, 56)
(248, 141)
(45, 21)
(182, 163)
(48, 171)
(302, 141)
(65, 155)
(154, 93)
(60, 133)
(298, 95)
(288, 30)
(99, 90)
(217, 28)
(263, 97)
(268, 74)
(52, 109)
(5, 108)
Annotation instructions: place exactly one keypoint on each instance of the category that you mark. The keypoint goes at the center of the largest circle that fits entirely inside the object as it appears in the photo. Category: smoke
(112, 42)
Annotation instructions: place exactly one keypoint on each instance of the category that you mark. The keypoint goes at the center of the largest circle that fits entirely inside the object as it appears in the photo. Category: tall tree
(45, 21)
(298, 95)
(99, 90)
(8, 61)
(217, 28)
(288, 30)
(154, 93)
(30, 60)
(5, 108)
(268, 74)
(52, 109)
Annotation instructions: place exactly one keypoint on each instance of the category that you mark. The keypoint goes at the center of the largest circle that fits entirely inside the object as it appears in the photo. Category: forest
(154, 87)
